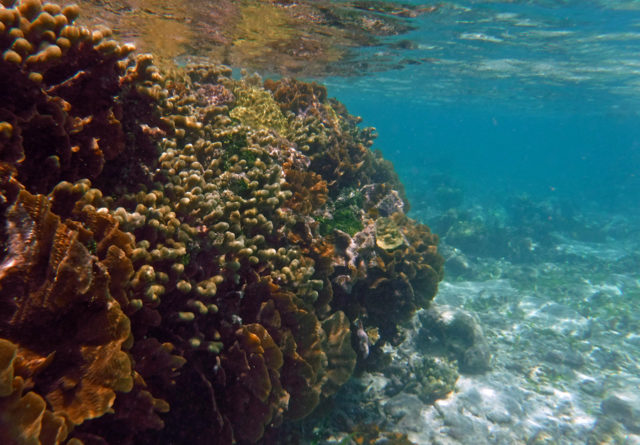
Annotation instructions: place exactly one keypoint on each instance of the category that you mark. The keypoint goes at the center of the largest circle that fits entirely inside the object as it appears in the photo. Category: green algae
(344, 219)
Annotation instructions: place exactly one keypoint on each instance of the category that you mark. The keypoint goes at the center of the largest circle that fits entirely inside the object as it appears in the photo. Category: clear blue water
(536, 97)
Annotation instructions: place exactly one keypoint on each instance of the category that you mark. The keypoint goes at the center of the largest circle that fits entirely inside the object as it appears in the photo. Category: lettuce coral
(199, 250)
(56, 306)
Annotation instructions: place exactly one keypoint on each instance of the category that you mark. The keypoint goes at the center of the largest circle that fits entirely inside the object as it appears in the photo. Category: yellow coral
(256, 108)
(388, 235)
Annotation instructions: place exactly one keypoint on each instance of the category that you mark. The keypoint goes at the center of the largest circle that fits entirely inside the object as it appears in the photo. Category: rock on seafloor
(625, 408)
(184, 248)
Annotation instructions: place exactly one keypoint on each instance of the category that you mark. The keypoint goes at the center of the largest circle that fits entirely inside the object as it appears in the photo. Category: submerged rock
(625, 408)
(456, 333)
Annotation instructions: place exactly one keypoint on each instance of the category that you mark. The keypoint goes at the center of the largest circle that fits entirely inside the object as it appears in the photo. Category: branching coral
(58, 83)
(309, 190)
(64, 97)
(295, 96)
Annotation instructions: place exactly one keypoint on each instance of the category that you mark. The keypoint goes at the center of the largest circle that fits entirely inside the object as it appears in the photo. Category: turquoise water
(516, 131)
(541, 97)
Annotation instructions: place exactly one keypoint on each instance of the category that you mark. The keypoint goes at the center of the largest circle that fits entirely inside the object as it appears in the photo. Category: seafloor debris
(181, 248)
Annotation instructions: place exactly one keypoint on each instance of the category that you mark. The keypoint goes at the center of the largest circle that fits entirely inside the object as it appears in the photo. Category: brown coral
(299, 335)
(308, 188)
(63, 96)
(252, 364)
(337, 148)
(296, 96)
(392, 268)
(202, 275)
(318, 357)
(24, 417)
(55, 303)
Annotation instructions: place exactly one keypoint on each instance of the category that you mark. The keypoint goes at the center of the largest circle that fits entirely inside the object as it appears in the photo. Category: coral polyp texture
(186, 257)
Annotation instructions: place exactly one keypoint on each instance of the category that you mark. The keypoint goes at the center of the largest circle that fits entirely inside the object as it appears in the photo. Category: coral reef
(63, 96)
(179, 247)
(56, 306)
(388, 270)
(24, 416)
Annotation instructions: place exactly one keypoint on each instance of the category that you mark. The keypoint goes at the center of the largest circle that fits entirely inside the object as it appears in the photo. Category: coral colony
(185, 257)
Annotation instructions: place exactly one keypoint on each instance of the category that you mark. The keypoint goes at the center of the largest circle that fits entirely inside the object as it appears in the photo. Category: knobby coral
(233, 236)
(65, 96)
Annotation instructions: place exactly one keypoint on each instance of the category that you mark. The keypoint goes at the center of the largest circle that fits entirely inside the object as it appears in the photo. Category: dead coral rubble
(213, 275)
